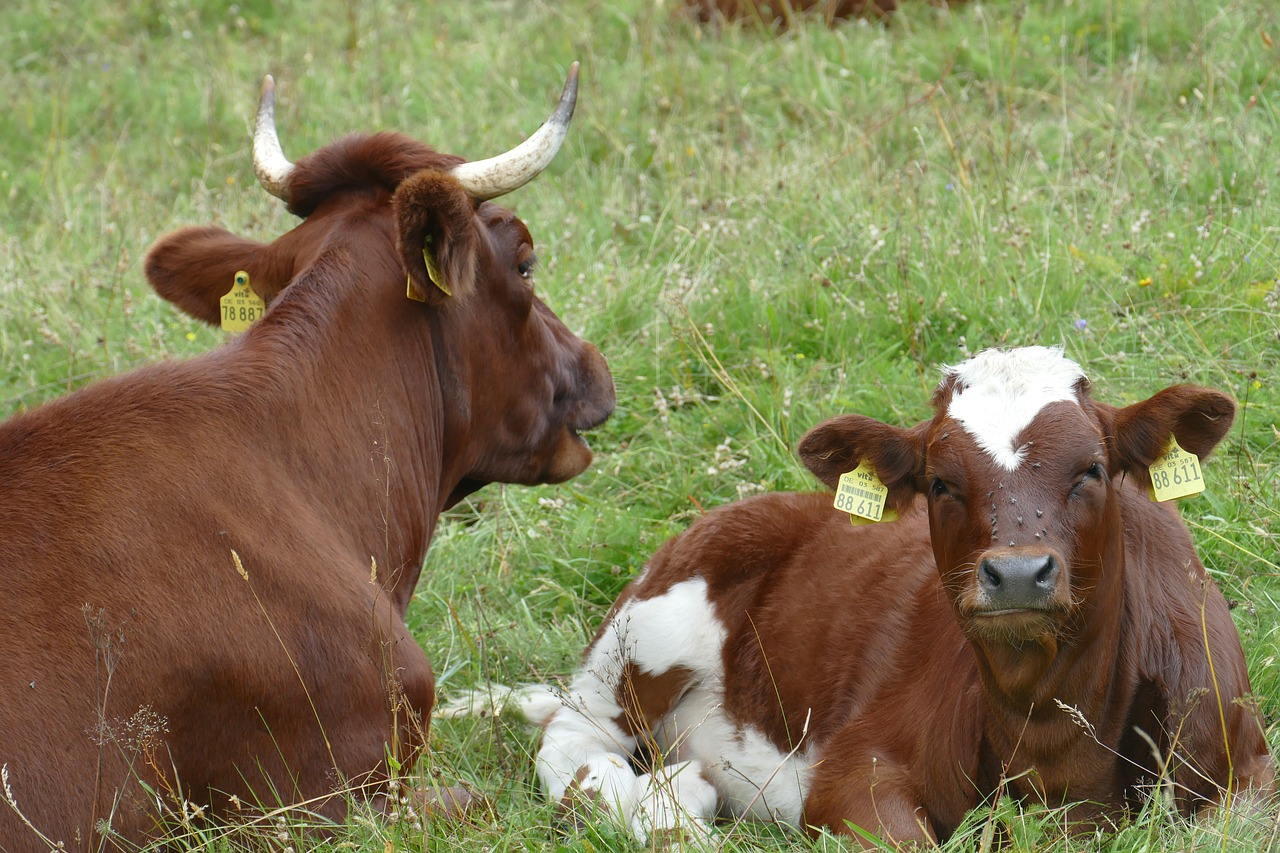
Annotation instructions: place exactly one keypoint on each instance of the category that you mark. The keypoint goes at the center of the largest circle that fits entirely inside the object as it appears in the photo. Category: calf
(206, 563)
(1032, 623)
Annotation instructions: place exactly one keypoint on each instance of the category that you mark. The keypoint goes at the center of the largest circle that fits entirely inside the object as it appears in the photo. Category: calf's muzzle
(1018, 580)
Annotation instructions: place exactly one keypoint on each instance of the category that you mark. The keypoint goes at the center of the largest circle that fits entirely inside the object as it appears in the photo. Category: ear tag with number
(862, 495)
(240, 306)
(1175, 474)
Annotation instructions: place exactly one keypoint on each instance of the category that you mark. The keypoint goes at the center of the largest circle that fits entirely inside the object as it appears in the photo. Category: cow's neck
(374, 401)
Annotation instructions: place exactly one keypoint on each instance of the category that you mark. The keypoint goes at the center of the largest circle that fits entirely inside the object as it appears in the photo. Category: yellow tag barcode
(861, 494)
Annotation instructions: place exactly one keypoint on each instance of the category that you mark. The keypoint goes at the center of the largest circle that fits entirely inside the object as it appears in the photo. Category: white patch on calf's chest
(997, 394)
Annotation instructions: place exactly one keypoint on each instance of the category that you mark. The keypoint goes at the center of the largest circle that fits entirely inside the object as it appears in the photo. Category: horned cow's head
(384, 213)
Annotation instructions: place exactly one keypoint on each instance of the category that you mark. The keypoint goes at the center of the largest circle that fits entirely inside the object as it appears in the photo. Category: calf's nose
(1018, 581)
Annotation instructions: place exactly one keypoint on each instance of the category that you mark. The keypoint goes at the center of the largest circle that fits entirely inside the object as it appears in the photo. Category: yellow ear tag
(240, 306)
(862, 495)
(412, 292)
(1176, 474)
(433, 271)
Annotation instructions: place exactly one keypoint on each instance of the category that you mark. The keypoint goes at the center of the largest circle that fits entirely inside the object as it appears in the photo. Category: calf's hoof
(579, 809)
(692, 835)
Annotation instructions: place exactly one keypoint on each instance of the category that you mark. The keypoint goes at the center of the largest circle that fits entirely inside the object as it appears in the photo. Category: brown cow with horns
(1033, 623)
(206, 564)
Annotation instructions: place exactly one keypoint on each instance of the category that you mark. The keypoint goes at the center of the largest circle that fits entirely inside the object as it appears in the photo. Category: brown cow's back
(152, 564)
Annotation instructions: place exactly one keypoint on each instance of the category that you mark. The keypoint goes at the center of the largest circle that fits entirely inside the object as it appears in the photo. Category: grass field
(759, 231)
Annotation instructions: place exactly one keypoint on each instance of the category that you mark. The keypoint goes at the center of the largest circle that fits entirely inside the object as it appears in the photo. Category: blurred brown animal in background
(782, 13)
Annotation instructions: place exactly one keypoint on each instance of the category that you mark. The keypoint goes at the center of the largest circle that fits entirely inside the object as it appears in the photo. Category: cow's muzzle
(1015, 580)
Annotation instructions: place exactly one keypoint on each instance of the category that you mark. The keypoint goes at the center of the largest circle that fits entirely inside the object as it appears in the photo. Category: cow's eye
(938, 488)
(526, 267)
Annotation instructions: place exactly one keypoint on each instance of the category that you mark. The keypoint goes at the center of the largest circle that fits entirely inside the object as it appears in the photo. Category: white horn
(269, 162)
(500, 175)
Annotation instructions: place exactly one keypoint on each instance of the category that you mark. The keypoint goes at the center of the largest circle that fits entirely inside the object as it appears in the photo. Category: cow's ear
(1197, 417)
(195, 267)
(840, 444)
(436, 236)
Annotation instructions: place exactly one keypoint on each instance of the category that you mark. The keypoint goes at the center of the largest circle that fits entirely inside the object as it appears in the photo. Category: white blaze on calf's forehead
(998, 393)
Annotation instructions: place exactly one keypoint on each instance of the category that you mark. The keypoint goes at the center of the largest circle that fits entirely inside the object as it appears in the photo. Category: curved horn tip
(570, 93)
(269, 163)
(487, 179)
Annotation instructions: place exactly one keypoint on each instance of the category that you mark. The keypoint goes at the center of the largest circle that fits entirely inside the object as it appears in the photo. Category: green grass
(761, 231)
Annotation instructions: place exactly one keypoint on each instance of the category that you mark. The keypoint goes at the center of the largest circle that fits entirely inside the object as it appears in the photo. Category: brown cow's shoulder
(1176, 706)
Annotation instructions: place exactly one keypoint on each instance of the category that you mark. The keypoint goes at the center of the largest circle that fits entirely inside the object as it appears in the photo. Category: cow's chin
(1011, 626)
(571, 458)
(463, 490)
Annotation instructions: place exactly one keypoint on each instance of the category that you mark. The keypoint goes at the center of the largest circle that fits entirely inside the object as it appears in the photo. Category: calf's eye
(1093, 472)
(937, 488)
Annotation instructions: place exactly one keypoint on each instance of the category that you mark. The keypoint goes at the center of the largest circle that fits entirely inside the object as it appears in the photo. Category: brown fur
(648, 697)
(783, 13)
(920, 699)
(434, 215)
(317, 449)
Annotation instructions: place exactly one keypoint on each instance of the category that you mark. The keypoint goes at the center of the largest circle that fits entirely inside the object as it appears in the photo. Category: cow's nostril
(1048, 573)
(990, 577)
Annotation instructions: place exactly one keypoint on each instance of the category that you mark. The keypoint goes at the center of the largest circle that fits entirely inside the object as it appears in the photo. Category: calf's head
(1020, 468)
(402, 259)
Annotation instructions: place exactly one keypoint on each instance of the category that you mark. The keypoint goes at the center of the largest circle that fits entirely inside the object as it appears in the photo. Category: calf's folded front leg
(875, 796)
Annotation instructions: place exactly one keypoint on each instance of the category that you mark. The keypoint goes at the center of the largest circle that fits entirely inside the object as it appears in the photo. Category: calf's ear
(195, 267)
(840, 444)
(1197, 417)
(436, 237)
